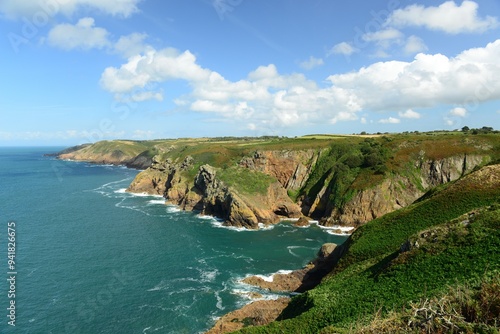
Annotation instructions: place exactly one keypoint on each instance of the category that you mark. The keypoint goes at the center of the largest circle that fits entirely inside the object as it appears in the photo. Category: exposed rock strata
(397, 191)
(201, 188)
(291, 168)
(209, 195)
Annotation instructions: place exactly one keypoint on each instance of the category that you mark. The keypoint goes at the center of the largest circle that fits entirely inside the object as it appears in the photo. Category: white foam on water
(220, 224)
(265, 227)
(173, 208)
(158, 287)
(290, 250)
(143, 194)
(219, 301)
(205, 217)
(331, 229)
(156, 202)
(209, 275)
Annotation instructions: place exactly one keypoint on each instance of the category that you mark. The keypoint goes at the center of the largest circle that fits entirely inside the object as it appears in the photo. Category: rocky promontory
(262, 312)
(339, 181)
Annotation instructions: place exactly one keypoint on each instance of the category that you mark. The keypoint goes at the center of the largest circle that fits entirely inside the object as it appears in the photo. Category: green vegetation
(449, 239)
(246, 181)
(346, 164)
(400, 263)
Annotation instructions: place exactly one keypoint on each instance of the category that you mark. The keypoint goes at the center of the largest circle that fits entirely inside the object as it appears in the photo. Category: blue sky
(76, 71)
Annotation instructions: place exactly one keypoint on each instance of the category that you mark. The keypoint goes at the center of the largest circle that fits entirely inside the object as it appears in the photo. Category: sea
(78, 254)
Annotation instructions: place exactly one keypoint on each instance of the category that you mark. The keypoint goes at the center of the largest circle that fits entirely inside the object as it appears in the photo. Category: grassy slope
(347, 163)
(373, 275)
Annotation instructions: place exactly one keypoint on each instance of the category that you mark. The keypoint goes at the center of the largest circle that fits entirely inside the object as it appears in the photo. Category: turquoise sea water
(91, 258)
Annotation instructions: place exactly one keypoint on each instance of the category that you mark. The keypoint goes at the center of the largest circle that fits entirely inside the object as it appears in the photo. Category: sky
(78, 71)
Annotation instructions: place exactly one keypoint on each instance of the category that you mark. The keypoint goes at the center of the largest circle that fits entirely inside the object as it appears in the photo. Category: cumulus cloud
(390, 120)
(131, 45)
(414, 45)
(267, 98)
(383, 36)
(427, 81)
(409, 114)
(448, 17)
(311, 63)
(458, 112)
(83, 35)
(343, 48)
(15, 9)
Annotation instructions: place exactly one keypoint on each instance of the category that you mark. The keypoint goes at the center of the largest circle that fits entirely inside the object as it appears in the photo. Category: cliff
(337, 180)
(430, 267)
(132, 154)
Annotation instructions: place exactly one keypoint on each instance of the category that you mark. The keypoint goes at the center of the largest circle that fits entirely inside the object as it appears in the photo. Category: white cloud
(384, 39)
(343, 48)
(147, 95)
(267, 99)
(131, 45)
(311, 63)
(409, 114)
(344, 116)
(447, 17)
(382, 36)
(458, 112)
(82, 35)
(414, 45)
(390, 120)
(153, 67)
(16, 9)
(429, 80)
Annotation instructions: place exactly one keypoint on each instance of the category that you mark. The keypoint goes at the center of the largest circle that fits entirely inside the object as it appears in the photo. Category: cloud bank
(266, 98)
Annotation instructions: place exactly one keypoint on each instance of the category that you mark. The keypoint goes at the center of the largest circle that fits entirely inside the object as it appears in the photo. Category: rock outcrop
(305, 278)
(185, 181)
(208, 194)
(257, 313)
(397, 191)
(290, 168)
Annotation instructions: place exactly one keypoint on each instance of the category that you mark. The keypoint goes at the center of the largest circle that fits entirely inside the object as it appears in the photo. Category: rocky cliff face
(208, 194)
(398, 191)
(290, 168)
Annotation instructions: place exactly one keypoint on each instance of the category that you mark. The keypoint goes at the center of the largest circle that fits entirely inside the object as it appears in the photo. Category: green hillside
(449, 240)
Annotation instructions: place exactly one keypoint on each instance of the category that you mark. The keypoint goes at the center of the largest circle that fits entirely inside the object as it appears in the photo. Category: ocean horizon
(92, 258)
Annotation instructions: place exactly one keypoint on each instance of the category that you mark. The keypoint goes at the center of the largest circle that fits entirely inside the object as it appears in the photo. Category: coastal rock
(393, 192)
(302, 222)
(326, 250)
(280, 282)
(173, 179)
(290, 168)
(257, 313)
(304, 278)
